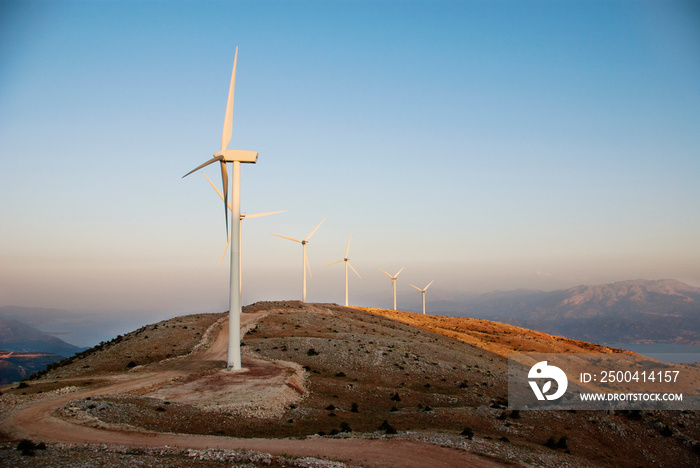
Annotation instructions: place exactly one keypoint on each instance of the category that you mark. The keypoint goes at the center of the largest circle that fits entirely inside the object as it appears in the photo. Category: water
(665, 352)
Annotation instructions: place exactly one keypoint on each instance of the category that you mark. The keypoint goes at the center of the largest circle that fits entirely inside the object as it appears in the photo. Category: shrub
(330, 407)
(22, 385)
(388, 428)
(26, 446)
(345, 427)
(312, 352)
(550, 443)
(562, 443)
(395, 397)
(131, 365)
(468, 433)
(354, 409)
(515, 414)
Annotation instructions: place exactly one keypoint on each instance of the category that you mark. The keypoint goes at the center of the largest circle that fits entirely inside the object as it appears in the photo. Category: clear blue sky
(481, 144)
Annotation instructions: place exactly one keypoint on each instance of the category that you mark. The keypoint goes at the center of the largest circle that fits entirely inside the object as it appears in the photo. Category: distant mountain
(20, 337)
(636, 311)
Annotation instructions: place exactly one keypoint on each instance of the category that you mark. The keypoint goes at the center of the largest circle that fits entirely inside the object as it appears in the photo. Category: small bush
(345, 427)
(550, 443)
(131, 365)
(468, 433)
(354, 409)
(312, 352)
(330, 407)
(562, 443)
(666, 431)
(22, 385)
(388, 428)
(27, 447)
(340, 374)
(395, 397)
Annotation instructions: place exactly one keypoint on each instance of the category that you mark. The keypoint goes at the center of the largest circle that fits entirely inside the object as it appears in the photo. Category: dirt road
(41, 420)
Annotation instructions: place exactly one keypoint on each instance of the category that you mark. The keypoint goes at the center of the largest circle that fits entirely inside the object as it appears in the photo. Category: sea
(664, 352)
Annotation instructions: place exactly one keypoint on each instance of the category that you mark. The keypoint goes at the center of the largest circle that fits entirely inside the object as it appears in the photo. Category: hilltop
(335, 383)
(635, 311)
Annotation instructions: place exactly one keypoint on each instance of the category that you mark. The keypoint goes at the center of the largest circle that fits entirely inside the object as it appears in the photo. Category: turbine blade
(347, 251)
(426, 288)
(387, 274)
(214, 159)
(221, 195)
(312, 232)
(285, 237)
(308, 266)
(224, 179)
(228, 119)
(257, 215)
(397, 273)
(419, 289)
(353, 269)
(223, 254)
(333, 263)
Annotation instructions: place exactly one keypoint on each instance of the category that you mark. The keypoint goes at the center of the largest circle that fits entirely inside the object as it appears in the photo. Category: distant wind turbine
(393, 283)
(305, 262)
(422, 292)
(236, 157)
(347, 264)
(243, 216)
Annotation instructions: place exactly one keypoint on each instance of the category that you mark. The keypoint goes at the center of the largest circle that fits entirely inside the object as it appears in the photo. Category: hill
(364, 387)
(20, 337)
(17, 366)
(637, 311)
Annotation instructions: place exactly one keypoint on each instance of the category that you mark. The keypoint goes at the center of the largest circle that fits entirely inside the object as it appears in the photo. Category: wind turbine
(243, 216)
(393, 283)
(347, 264)
(236, 157)
(305, 261)
(422, 292)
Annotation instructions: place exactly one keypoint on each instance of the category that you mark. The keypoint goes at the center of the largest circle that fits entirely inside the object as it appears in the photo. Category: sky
(485, 145)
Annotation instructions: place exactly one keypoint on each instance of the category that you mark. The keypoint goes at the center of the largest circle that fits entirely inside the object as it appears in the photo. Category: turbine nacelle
(231, 155)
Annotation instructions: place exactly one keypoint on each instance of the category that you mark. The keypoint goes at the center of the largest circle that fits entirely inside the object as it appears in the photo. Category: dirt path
(40, 421)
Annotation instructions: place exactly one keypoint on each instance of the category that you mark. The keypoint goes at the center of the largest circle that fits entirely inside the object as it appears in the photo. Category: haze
(482, 145)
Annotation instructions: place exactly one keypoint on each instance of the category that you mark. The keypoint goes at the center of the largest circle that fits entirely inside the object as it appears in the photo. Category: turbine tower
(422, 292)
(393, 283)
(236, 157)
(347, 264)
(305, 262)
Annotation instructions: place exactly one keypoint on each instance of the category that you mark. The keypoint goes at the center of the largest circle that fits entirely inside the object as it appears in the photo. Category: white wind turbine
(243, 216)
(236, 157)
(422, 292)
(305, 262)
(393, 282)
(347, 264)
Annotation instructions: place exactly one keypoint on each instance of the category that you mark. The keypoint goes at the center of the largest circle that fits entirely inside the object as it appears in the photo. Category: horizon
(484, 146)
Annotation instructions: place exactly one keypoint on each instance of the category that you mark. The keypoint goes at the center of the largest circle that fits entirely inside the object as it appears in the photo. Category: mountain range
(20, 337)
(635, 311)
